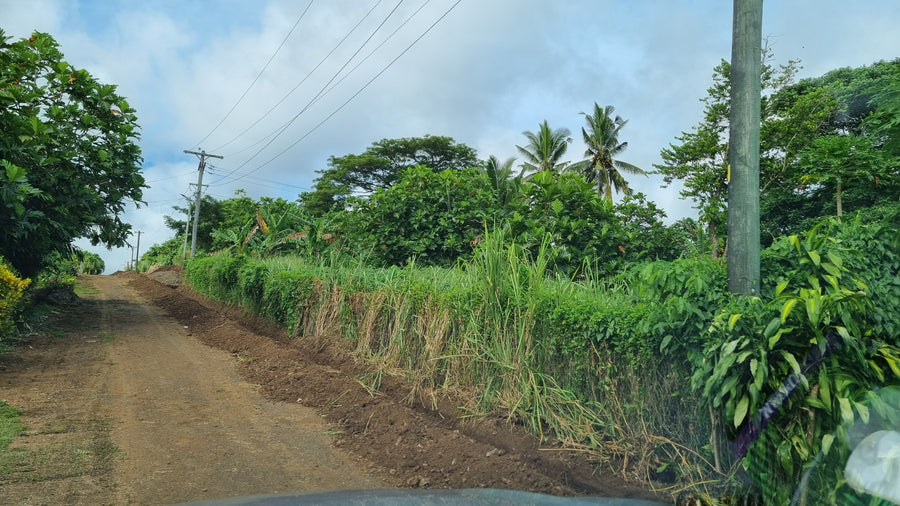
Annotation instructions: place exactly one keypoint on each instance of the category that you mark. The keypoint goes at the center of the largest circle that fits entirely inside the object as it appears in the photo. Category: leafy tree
(885, 119)
(602, 140)
(545, 149)
(644, 236)
(831, 137)
(167, 253)
(381, 165)
(210, 217)
(700, 160)
(69, 153)
(582, 227)
(91, 263)
(507, 188)
(433, 218)
(841, 159)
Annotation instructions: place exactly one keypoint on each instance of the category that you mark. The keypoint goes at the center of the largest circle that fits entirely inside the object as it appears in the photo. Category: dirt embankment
(191, 400)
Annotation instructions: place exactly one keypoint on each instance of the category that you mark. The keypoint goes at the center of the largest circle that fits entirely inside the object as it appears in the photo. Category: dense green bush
(167, 253)
(659, 363)
(11, 288)
(582, 227)
(816, 321)
(434, 218)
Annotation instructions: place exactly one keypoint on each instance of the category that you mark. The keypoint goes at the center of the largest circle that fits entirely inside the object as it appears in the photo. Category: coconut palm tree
(506, 186)
(544, 149)
(601, 168)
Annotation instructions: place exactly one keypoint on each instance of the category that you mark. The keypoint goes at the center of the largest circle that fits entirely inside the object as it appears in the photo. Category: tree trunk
(713, 239)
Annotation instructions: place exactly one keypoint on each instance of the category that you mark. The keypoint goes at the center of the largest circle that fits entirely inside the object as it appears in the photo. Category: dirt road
(186, 426)
(148, 394)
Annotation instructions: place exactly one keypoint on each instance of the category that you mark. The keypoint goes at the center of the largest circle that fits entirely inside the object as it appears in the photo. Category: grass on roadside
(10, 426)
(81, 289)
(69, 453)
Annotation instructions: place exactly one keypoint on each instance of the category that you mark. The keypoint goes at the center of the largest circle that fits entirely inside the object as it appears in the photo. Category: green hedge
(600, 363)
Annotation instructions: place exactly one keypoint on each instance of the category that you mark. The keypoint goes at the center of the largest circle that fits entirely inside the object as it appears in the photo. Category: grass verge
(86, 450)
(10, 426)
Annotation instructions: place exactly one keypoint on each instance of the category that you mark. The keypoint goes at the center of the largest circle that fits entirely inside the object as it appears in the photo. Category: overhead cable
(313, 129)
(239, 100)
(312, 101)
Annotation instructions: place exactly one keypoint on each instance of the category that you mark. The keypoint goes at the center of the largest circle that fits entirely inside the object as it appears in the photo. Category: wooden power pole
(203, 156)
(743, 149)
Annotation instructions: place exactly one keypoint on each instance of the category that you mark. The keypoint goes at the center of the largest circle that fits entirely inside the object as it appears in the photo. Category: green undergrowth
(608, 365)
(10, 426)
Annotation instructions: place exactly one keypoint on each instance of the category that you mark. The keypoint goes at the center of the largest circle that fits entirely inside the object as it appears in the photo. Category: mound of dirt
(169, 275)
(408, 445)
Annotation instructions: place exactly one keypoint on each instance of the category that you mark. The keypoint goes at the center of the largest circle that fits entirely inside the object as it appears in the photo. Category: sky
(277, 87)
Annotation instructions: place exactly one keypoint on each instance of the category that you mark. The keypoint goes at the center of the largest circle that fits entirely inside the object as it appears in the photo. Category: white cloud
(484, 74)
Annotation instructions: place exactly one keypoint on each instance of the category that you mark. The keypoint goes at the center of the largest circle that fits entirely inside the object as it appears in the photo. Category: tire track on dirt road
(190, 428)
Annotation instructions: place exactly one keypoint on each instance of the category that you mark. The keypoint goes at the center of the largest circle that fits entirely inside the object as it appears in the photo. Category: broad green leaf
(665, 342)
(790, 359)
(816, 403)
(827, 440)
(892, 363)
(785, 458)
(774, 339)
(740, 411)
(846, 410)
(825, 387)
(780, 288)
(835, 259)
(795, 241)
(758, 374)
(729, 347)
(814, 309)
(733, 321)
(771, 328)
(832, 269)
(814, 255)
(801, 446)
(786, 310)
(842, 331)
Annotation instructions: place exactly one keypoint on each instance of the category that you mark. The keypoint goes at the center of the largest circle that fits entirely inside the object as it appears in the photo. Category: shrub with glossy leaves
(434, 218)
(11, 288)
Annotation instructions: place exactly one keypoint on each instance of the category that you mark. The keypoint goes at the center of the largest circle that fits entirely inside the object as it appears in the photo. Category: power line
(239, 100)
(312, 101)
(307, 76)
(373, 51)
(335, 85)
(260, 180)
(382, 71)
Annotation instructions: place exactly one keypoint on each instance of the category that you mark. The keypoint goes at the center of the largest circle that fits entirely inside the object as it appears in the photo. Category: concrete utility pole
(186, 223)
(137, 252)
(743, 149)
(203, 156)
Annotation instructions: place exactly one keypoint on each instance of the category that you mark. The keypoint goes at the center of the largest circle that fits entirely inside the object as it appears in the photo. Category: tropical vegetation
(530, 293)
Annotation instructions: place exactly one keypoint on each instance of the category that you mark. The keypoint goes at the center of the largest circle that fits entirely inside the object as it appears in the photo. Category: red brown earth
(199, 401)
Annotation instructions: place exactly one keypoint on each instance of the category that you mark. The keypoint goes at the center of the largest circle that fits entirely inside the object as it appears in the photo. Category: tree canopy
(69, 155)
(381, 165)
(545, 149)
(602, 166)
